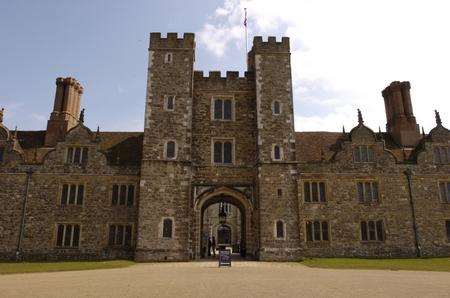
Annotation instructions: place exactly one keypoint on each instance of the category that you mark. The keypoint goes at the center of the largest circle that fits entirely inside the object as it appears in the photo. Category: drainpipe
(19, 256)
(408, 172)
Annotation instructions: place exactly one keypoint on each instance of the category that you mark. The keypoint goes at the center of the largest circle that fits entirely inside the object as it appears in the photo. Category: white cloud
(353, 49)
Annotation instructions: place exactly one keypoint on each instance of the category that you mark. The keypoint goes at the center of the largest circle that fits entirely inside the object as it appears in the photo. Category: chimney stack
(66, 109)
(401, 123)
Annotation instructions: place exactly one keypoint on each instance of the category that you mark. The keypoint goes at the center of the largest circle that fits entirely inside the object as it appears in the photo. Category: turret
(401, 123)
(66, 109)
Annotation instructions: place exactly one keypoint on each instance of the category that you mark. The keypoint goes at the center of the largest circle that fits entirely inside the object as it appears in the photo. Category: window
(447, 227)
(363, 154)
(276, 108)
(68, 235)
(171, 150)
(280, 229)
(223, 109)
(372, 230)
(225, 207)
(168, 58)
(2, 154)
(444, 190)
(314, 191)
(279, 192)
(169, 102)
(223, 152)
(442, 155)
(167, 228)
(277, 153)
(123, 194)
(120, 235)
(72, 194)
(77, 155)
(367, 191)
(317, 231)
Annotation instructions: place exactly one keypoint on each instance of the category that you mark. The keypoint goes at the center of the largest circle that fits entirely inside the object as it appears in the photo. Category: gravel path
(244, 279)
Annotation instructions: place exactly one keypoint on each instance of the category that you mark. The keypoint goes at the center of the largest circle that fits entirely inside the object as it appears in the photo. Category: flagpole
(246, 47)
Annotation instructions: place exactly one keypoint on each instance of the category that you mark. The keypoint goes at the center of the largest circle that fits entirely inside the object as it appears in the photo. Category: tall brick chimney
(401, 123)
(66, 109)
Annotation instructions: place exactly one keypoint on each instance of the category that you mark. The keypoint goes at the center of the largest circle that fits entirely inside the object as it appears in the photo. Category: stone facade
(212, 139)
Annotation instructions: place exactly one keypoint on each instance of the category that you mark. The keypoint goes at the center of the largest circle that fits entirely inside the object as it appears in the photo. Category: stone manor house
(70, 192)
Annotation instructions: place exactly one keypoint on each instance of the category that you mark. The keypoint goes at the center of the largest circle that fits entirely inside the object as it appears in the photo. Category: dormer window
(276, 108)
(277, 153)
(2, 154)
(442, 155)
(169, 102)
(363, 153)
(222, 109)
(77, 155)
(171, 150)
(168, 58)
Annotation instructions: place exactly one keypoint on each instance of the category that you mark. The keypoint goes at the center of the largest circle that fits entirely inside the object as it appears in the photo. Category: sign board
(225, 257)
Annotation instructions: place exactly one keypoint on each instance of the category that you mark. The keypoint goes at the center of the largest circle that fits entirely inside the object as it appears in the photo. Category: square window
(222, 109)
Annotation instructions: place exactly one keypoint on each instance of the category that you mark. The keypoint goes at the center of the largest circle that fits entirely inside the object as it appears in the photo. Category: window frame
(172, 228)
(311, 193)
(175, 150)
(223, 98)
(376, 231)
(276, 229)
(281, 152)
(168, 58)
(233, 151)
(447, 191)
(123, 244)
(69, 184)
(365, 200)
(119, 192)
(280, 108)
(166, 102)
(368, 148)
(83, 157)
(321, 231)
(65, 224)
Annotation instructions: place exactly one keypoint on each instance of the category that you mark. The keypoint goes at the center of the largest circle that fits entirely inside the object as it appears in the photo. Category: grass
(10, 268)
(422, 264)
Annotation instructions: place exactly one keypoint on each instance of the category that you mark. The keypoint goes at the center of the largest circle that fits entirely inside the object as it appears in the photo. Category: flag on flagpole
(245, 17)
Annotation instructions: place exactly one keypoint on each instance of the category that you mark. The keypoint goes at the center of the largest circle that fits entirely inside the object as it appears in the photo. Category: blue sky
(343, 56)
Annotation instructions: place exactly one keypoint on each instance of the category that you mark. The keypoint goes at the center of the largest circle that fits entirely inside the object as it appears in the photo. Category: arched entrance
(240, 241)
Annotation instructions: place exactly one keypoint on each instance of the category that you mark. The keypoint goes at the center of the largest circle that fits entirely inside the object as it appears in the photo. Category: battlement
(69, 81)
(172, 41)
(217, 76)
(271, 45)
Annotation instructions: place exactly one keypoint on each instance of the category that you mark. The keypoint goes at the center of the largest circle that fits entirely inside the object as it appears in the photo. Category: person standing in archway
(213, 245)
(209, 246)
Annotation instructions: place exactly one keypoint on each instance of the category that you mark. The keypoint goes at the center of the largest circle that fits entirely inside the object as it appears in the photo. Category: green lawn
(8, 268)
(431, 264)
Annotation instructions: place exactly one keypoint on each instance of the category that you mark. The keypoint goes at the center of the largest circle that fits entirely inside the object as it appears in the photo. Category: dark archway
(223, 198)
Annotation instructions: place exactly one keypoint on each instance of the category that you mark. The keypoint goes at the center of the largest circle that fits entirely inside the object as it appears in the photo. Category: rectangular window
(442, 155)
(68, 235)
(317, 231)
(72, 194)
(447, 228)
(372, 230)
(223, 152)
(223, 109)
(444, 190)
(2, 154)
(169, 103)
(77, 155)
(120, 235)
(363, 153)
(123, 194)
(314, 191)
(367, 191)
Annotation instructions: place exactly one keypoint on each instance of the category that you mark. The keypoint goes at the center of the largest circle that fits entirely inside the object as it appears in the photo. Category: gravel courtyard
(244, 279)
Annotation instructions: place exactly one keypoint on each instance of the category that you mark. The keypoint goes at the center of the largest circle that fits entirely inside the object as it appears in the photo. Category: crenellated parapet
(271, 45)
(172, 41)
(232, 80)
